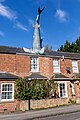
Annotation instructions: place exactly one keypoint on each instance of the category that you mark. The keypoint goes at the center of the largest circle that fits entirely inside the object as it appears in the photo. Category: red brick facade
(20, 65)
(16, 64)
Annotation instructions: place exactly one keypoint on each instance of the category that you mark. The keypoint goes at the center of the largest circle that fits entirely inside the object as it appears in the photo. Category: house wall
(7, 63)
(64, 64)
(20, 65)
(76, 89)
(15, 64)
(9, 106)
(46, 66)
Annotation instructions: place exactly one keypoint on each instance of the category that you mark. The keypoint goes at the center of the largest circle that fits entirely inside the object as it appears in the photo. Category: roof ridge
(10, 46)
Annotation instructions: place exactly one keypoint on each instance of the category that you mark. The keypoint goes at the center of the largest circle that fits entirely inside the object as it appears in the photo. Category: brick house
(62, 67)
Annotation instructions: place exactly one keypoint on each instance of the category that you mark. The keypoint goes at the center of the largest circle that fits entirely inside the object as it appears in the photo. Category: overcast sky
(60, 21)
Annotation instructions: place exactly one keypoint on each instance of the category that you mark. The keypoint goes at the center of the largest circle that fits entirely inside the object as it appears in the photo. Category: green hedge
(36, 89)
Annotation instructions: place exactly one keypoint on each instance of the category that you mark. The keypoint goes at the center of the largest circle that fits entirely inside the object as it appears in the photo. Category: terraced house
(38, 63)
(64, 68)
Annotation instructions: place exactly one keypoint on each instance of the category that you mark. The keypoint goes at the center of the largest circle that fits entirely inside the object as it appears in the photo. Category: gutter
(44, 55)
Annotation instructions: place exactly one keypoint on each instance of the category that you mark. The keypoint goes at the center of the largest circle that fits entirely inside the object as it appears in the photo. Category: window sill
(34, 71)
(63, 97)
(75, 72)
(11, 100)
(56, 72)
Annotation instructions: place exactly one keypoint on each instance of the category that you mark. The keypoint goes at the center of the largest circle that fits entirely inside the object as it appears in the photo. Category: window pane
(4, 87)
(10, 95)
(10, 87)
(3, 95)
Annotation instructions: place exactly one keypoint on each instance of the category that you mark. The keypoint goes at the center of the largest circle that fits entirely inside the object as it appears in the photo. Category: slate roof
(14, 50)
(59, 76)
(65, 54)
(5, 75)
(76, 75)
(36, 76)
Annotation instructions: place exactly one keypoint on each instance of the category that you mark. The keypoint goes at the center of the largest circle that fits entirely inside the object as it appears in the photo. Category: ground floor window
(72, 85)
(62, 89)
(7, 91)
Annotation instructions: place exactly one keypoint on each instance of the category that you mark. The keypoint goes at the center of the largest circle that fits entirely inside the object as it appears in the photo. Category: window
(7, 91)
(72, 85)
(63, 90)
(56, 66)
(34, 64)
(75, 66)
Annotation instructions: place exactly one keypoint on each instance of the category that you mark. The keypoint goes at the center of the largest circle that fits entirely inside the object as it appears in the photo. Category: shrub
(36, 89)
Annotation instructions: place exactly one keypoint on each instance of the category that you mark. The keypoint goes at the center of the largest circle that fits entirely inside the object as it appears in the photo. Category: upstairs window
(74, 66)
(7, 91)
(56, 66)
(34, 64)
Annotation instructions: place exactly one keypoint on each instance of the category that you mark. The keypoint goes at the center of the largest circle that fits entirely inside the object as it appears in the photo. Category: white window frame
(65, 83)
(73, 90)
(75, 66)
(31, 64)
(56, 68)
(8, 91)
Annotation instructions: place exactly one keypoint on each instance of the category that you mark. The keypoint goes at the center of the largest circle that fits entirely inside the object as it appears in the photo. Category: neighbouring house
(37, 63)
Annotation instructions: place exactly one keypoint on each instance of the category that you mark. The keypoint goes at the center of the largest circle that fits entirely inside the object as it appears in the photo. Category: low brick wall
(9, 106)
(35, 104)
(45, 103)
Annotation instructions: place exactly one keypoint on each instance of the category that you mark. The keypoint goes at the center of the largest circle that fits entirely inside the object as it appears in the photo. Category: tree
(67, 46)
(48, 48)
(78, 45)
(61, 48)
(73, 47)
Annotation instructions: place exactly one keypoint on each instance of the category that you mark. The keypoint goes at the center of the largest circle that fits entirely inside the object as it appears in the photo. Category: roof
(76, 75)
(36, 76)
(14, 50)
(5, 75)
(59, 76)
(65, 54)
